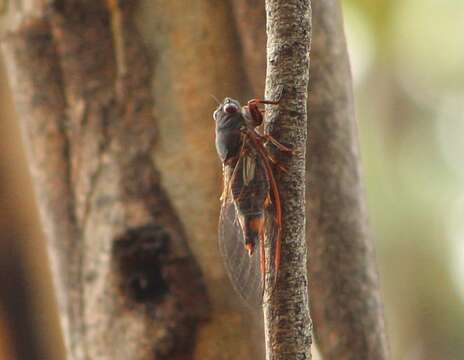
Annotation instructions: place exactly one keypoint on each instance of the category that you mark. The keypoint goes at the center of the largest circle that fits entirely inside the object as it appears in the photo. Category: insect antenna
(215, 99)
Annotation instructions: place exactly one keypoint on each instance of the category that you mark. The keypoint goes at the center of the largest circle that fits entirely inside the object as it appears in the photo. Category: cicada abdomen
(246, 220)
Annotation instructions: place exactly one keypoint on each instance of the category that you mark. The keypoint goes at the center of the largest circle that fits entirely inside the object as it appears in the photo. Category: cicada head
(228, 106)
(229, 120)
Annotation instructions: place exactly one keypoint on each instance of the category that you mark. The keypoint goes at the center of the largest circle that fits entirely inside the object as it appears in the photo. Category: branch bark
(346, 304)
(345, 301)
(127, 284)
(286, 308)
(334, 75)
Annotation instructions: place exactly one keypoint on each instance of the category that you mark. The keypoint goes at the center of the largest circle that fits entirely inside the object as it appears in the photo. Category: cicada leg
(227, 174)
(262, 258)
(268, 102)
(277, 144)
(277, 254)
(256, 113)
(278, 164)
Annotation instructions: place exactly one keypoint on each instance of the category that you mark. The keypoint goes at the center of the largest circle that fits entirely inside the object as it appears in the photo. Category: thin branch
(286, 310)
(348, 324)
(345, 300)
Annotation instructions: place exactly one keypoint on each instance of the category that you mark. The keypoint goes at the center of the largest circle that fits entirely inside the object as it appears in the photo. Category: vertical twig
(286, 312)
(346, 305)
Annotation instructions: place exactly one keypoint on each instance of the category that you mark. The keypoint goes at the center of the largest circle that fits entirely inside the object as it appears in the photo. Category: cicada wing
(243, 270)
(271, 233)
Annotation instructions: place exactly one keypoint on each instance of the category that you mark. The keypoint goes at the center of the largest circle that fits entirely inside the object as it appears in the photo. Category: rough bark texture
(286, 310)
(345, 302)
(127, 284)
(346, 307)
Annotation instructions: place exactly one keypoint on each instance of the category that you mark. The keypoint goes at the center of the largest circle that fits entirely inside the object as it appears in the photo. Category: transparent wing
(270, 244)
(242, 269)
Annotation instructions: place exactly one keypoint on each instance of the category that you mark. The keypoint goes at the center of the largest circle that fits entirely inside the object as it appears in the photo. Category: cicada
(251, 210)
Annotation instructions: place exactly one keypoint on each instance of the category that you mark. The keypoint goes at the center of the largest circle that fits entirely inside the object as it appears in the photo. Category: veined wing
(243, 188)
(243, 270)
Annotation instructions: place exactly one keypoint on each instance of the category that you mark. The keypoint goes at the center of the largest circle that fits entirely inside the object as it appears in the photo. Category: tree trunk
(346, 304)
(286, 309)
(127, 284)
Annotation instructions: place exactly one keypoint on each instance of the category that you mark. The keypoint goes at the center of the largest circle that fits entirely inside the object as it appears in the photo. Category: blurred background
(407, 58)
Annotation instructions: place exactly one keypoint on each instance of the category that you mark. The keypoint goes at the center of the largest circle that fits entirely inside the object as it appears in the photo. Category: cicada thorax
(250, 192)
(229, 122)
(252, 116)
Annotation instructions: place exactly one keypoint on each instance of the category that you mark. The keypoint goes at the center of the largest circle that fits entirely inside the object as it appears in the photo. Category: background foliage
(407, 61)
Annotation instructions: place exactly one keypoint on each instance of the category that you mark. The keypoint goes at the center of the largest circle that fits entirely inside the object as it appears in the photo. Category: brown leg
(277, 258)
(262, 258)
(226, 188)
(277, 144)
(255, 102)
(256, 113)
(279, 165)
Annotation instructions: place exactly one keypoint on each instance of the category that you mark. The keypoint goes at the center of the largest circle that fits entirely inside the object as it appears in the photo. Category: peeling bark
(286, 309)
(346, 304)
(127, 284)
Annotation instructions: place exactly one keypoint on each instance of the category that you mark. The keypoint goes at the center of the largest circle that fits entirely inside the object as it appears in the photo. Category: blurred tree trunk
(27, 305)
(128, 285)
(345, 297)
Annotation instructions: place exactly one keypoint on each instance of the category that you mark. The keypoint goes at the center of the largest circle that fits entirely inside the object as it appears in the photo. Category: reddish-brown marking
(277, 144)
(249, 248)
(257, 224)
(252, 135)
(262, 259)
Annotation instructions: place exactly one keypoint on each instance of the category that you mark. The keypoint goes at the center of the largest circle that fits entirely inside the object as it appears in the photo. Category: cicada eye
(230, 108)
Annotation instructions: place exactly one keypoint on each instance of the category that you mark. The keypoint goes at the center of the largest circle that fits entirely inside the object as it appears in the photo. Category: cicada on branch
(251, 211)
